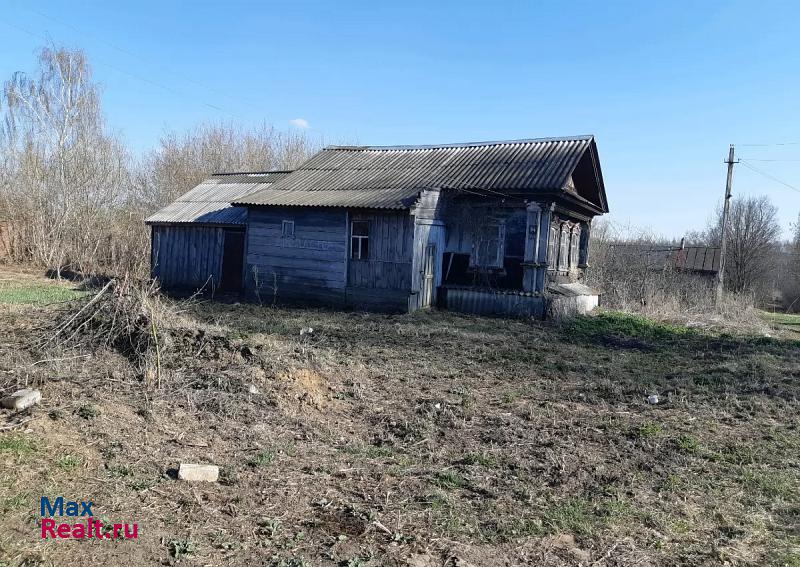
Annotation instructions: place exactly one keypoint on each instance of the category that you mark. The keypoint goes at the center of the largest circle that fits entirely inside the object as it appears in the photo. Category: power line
(778, 160)
(769, 176)
(180, 94)
(129, 53)
(773, 144)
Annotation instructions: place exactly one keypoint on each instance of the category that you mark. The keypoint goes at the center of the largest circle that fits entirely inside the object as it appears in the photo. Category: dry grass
(425, 439)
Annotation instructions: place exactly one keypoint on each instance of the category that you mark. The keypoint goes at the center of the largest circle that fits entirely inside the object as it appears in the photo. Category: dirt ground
(422, 440)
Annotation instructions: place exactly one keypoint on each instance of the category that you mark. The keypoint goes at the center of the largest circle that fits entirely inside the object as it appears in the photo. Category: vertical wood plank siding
(187, 257)
(383, 281)
(389, 263)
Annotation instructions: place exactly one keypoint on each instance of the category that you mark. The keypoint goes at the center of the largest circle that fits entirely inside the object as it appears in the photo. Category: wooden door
(428, 275)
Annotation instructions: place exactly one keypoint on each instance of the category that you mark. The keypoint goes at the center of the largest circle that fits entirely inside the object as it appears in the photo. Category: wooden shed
(197, 241)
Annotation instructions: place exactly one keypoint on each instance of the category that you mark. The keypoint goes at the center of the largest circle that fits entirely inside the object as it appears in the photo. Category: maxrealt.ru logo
(88, 529)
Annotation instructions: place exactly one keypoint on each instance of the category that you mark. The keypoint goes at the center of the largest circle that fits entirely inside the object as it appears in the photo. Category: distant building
(698, 260)
(493, 227)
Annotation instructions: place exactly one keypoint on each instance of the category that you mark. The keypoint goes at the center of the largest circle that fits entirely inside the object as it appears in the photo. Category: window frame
(575, 246)
(360, 239)
(563, 247)
(553, 246)
(285, 225)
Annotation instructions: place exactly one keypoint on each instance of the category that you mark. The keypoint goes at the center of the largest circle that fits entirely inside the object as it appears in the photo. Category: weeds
(481, 459)
(15, 502)
(68, 463)
(180, 548)
(450, 480)
(88, 411)
(267, 456)
(17, 446)
(688, 444)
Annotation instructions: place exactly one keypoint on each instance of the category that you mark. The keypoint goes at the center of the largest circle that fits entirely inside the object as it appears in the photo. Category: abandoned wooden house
(494, 227)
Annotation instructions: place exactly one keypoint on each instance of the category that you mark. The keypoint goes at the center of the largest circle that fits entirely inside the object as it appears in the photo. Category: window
(563, 254)
(574, 246)
(552, 246)
(287, 229)
(359, 240)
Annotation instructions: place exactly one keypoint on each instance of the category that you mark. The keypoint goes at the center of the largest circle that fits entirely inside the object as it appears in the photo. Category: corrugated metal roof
(698, 259)
(392, 176)
(210, 202)
(688, 258)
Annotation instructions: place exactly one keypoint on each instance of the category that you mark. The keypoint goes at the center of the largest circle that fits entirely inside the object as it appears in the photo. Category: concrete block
(21, 399)
(198, 473)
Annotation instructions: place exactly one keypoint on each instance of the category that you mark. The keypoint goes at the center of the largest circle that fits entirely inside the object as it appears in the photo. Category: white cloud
(300, 123)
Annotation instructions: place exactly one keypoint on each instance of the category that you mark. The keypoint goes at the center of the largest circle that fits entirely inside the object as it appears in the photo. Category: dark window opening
(287, 229)
(359, 240)
(516, 226)
(456, 270)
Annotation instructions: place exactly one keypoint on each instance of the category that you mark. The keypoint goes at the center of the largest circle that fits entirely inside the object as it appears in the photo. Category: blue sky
(665, 87)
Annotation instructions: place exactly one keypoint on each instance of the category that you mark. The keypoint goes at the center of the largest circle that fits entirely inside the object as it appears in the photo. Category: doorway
(232, 261)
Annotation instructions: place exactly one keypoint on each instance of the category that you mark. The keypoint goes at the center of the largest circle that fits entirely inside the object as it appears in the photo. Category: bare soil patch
(425, 439)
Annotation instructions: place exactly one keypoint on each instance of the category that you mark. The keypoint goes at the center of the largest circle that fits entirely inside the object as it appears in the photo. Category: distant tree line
(630, 266)
(73, 196)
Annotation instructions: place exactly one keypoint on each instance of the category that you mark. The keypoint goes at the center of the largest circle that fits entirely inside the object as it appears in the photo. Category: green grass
(450, 480)
(786, 322)
(36, 293)
(180, 548)
(788, 319)
(68, 462)
(263, 458)
(481, 459)
(16, 502)
(619, 324)
(17, 446)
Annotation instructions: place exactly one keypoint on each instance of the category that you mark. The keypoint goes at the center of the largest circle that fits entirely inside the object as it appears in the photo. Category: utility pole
(725, 209)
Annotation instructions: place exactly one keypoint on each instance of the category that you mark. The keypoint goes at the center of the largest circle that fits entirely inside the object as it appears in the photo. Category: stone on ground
(198, 473)
(22, 399)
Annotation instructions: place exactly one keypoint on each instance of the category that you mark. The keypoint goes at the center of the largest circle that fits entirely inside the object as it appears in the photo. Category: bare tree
(64, 174)
(183, 161)
(752, 239)
(69, 194)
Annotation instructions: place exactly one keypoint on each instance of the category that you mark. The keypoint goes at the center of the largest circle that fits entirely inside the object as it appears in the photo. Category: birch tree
(64, 173)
